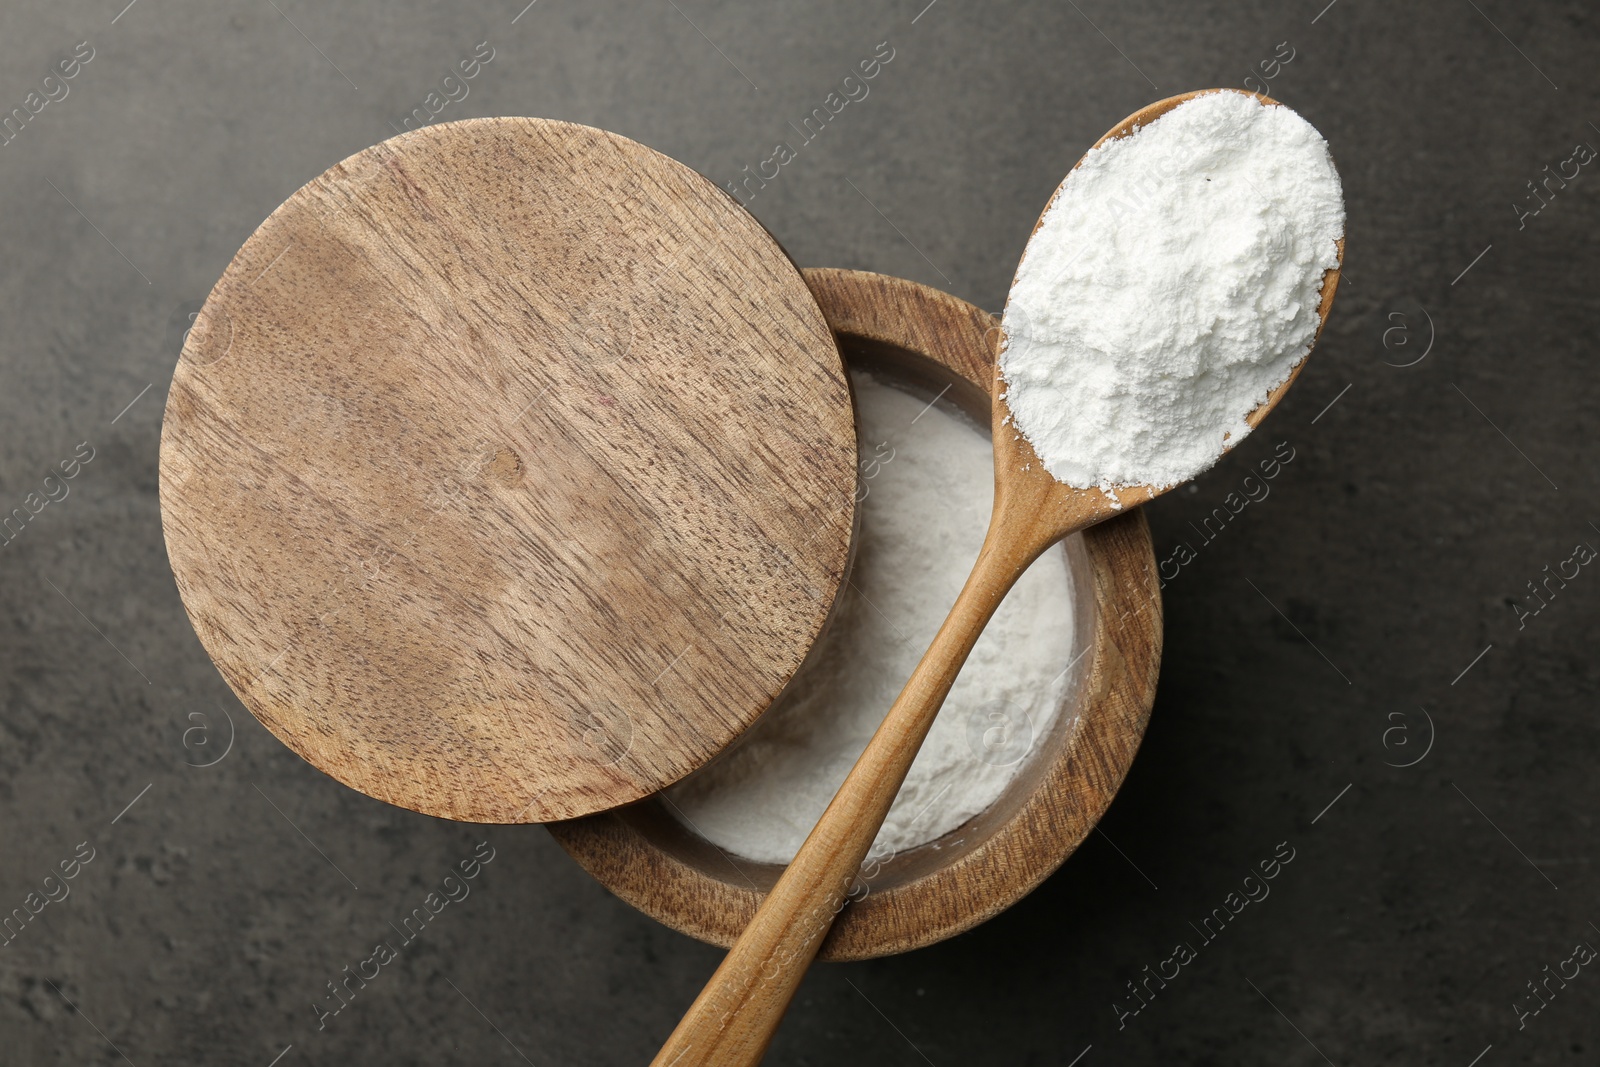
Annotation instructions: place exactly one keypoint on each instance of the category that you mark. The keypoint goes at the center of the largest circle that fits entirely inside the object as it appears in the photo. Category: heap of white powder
(929, 476)
(1172, 284)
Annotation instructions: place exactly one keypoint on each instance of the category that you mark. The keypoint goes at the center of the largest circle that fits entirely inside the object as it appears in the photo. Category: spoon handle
(733, 1019)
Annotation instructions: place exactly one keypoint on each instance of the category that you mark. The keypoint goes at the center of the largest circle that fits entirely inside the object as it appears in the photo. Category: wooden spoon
(733, 1019)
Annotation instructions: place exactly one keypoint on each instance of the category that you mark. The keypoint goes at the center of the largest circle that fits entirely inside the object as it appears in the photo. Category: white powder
(929, 490)
(1172, 284)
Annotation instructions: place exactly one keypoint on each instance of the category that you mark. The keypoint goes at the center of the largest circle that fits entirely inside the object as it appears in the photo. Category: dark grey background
(1387, 557)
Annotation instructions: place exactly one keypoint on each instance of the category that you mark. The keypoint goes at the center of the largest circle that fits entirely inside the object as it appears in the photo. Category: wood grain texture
(645, 856)
(508, 473)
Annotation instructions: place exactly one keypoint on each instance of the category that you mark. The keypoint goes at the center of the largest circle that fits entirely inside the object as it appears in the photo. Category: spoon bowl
(1061, 509)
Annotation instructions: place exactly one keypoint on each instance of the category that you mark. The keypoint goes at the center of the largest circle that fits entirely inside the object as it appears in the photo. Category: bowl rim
(1092, 751)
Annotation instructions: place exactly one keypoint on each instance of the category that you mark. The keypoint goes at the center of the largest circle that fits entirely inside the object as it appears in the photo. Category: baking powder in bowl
(929, 478)
(1172, 284)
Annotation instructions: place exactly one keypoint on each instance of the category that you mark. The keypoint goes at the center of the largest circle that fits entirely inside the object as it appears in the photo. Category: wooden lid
(508, 473)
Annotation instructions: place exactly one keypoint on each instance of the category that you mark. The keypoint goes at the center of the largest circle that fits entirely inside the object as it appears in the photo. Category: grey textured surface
(1388, 555)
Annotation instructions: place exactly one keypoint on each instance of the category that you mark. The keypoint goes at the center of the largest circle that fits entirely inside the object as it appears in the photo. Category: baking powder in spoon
(1171, 285)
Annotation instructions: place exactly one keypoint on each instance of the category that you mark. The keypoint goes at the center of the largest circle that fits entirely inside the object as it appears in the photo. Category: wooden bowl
(928, 340)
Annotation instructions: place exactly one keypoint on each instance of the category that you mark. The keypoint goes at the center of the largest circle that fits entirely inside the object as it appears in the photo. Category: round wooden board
(508, 473)
(648, 858)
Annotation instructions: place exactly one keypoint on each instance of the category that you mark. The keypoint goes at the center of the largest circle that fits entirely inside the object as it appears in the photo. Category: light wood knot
(506, 467)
